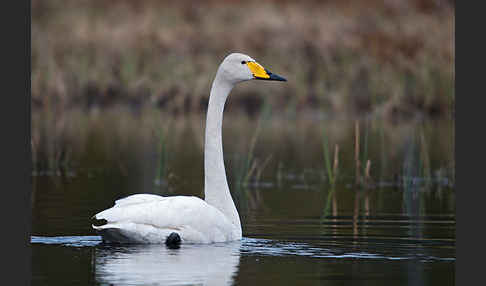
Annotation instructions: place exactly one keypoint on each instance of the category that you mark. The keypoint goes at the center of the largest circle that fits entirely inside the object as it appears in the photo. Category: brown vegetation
(346, 57)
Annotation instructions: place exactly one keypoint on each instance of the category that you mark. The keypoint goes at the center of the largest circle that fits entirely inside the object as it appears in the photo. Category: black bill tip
(272, 76)
(276, 77)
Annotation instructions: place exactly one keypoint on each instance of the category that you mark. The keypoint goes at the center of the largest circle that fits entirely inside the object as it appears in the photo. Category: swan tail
(112, 234)
(124, 233)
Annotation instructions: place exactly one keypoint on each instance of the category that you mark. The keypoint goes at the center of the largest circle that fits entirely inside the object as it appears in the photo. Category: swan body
(148, 218)
(145, 218)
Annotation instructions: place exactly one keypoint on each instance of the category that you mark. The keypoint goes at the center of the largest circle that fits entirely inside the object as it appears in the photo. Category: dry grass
(345, 57)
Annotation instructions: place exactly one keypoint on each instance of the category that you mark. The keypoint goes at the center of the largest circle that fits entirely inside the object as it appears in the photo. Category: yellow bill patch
(257, 70)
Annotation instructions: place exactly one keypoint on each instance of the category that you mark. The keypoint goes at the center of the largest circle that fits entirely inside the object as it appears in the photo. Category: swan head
(237, 67)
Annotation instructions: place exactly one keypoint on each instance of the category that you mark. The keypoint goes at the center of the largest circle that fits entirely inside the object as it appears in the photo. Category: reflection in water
(361, 197)
(327, 248)
(214, 264)
(84, 260)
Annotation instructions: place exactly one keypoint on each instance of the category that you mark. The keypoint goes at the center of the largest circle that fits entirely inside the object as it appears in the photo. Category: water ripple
(264, 247)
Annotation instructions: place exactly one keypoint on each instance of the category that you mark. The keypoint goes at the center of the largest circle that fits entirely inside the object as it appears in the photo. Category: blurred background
(355, 152)
(135, 60)
(340, 57)
(123, 86)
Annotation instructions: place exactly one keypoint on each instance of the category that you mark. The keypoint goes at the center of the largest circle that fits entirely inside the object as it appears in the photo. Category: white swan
(147, 218)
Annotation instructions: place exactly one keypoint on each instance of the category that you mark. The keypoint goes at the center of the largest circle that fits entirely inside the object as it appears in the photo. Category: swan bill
(261, 73)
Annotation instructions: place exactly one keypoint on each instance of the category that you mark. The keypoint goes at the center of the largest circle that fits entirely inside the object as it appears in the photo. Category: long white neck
(216, 190)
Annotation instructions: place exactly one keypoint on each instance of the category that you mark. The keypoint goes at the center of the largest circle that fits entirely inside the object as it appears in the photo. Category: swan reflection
(214, 264)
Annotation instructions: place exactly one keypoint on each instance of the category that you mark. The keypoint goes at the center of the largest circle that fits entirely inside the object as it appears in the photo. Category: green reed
(332, 172)
(50, 150)
(251, 166)
(362, 171)
(417, 169)
(161, 175)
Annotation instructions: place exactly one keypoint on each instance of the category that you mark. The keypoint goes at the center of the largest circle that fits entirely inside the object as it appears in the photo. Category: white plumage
(147, 218)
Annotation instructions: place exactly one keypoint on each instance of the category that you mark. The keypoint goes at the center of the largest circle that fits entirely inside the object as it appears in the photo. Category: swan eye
(243, 62)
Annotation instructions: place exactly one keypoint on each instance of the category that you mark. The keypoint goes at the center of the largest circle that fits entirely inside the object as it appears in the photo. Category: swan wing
(138, 198)
(153, 218)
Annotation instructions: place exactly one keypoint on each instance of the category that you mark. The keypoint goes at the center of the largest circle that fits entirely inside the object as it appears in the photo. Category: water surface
(399, 229)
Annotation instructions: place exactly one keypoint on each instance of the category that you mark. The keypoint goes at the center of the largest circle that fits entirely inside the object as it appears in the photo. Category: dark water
(399, 229)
